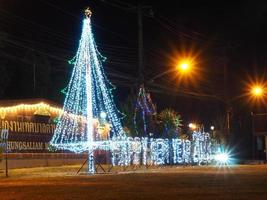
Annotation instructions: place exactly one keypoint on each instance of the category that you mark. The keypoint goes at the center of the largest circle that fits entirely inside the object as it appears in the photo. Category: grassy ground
(236, 182)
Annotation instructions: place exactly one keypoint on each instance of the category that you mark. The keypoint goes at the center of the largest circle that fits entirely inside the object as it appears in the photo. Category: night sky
(42, 35)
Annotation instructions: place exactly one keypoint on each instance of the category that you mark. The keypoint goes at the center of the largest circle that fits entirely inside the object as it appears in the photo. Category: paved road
(236, 182)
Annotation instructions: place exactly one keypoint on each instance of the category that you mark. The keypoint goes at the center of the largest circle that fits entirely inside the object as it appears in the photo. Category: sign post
(4, 137)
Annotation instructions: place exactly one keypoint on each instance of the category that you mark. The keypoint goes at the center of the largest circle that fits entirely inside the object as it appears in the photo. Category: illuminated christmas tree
(145, 111)
(89, 114)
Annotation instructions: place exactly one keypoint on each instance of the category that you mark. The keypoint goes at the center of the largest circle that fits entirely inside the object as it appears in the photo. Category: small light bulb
(103, 115)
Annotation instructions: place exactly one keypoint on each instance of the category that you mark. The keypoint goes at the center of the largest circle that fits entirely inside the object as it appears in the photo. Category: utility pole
(140, 44)
(226, 97)
(6, 158)
(225, 89)
(34, 77)
(253, 136)
(34, 71)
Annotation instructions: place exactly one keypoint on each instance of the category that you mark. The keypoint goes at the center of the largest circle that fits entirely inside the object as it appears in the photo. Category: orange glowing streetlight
(182, 66)
(192, 126)
(185, 66)
(257, 91)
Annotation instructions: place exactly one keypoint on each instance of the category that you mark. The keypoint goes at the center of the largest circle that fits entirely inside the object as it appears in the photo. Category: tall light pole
(257, 93)
(226, 96)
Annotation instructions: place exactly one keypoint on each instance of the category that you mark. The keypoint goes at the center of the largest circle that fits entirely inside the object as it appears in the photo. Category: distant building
(259, 123)
(31, 123)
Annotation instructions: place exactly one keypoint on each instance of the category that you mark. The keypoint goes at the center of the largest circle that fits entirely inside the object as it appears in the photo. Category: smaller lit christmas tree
(144, 113)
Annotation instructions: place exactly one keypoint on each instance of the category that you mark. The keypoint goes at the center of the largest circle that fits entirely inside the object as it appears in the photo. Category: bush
(169, 123)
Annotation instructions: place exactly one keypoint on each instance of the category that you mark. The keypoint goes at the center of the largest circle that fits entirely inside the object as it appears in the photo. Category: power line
(65, 11)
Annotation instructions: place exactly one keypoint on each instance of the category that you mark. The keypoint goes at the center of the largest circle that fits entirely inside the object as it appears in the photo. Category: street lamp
(257, 91)
(212, 128)
(184, 67)
(257, 95)
(212, 131)
(192, 126)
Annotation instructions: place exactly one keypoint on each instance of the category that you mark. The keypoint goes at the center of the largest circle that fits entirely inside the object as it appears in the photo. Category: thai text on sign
(27, 127)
